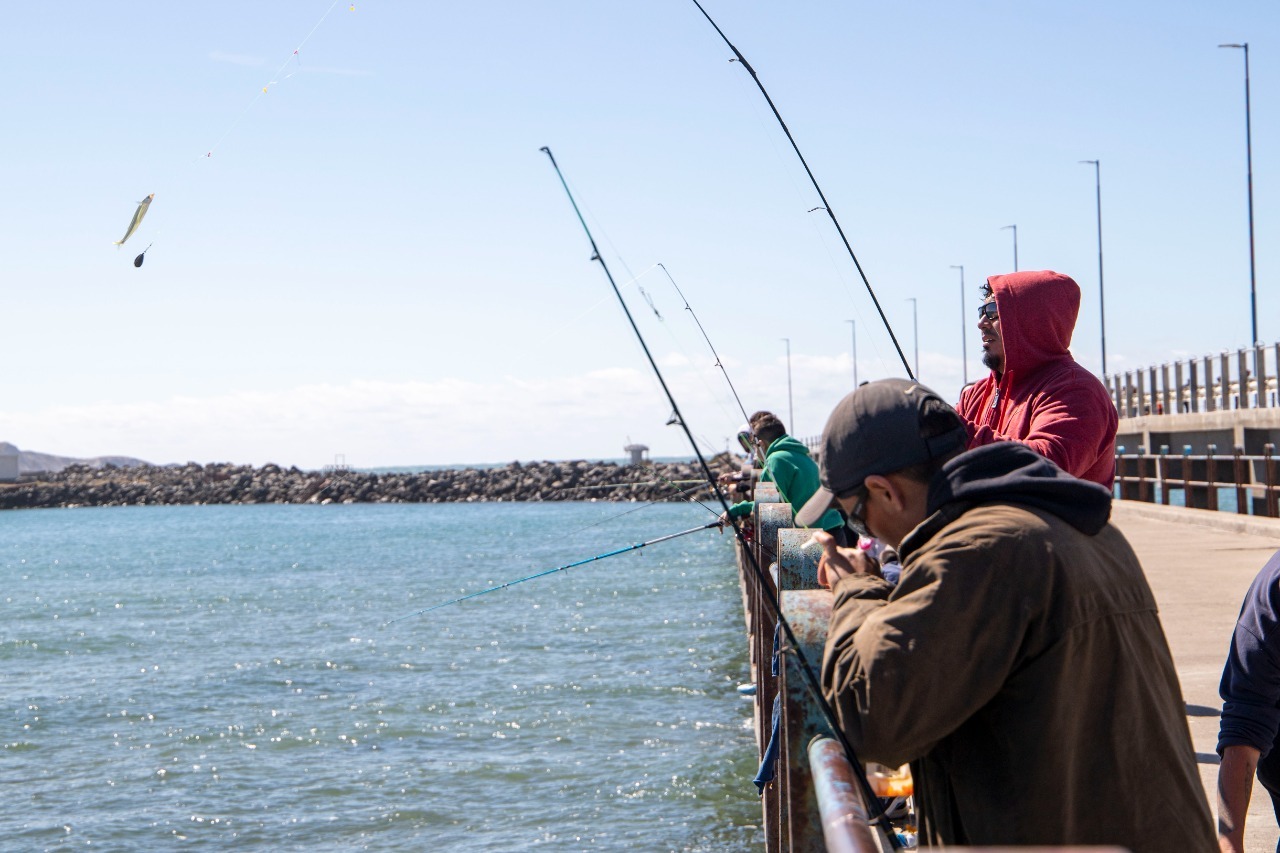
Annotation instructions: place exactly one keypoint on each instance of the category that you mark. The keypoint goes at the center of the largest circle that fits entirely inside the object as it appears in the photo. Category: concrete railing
(1245, 379)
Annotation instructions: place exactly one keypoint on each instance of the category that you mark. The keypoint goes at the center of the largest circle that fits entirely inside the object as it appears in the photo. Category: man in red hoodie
(1037, 394)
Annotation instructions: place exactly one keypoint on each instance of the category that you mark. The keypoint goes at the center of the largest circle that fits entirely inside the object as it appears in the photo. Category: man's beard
(993, 362)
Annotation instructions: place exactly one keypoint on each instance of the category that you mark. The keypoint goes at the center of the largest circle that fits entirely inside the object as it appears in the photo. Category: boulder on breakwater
(81, 485)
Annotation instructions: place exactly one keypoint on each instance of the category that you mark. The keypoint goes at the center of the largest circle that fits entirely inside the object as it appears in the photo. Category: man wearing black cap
(1019, 664)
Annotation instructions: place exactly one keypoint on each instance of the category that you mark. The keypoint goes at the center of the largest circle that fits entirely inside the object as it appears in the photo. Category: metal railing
(1251, 482)
(808, 805)
(1239, 380)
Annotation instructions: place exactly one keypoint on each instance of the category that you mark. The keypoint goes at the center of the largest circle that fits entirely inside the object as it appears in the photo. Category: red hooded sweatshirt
(1043, 399)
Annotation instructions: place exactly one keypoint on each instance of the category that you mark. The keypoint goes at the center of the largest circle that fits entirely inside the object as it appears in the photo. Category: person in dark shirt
(1250, 690)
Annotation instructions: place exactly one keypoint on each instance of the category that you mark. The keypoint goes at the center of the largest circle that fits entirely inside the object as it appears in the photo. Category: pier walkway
(1200, 564)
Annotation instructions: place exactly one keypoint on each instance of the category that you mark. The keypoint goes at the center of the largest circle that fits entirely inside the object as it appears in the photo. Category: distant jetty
(145, 485)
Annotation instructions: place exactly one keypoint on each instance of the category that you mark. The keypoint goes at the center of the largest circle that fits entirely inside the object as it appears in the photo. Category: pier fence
(1249, 378)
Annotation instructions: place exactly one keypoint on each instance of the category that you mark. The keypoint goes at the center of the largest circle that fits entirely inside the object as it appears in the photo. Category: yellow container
(888, 782)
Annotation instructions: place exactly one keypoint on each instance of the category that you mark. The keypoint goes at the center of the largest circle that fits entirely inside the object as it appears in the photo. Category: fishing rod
(826, 205)
(765, 582)
(635, 547)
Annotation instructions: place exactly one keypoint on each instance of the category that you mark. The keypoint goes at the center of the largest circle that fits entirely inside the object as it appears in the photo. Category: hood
(1007, 472)
(785, 443)
(1038, 312)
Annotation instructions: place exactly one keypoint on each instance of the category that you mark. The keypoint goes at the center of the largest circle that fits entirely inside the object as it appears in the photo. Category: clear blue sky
(377, 261)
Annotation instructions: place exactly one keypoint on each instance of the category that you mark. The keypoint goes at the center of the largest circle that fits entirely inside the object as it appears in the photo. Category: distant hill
(31, 462)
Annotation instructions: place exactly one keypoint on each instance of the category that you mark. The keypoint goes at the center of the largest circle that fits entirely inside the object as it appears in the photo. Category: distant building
(8, 462)
(637, 452)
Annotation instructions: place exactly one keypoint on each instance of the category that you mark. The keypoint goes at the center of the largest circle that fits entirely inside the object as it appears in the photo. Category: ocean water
(222, 677)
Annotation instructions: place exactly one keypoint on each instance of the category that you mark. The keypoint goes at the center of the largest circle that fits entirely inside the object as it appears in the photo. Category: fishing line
(557, 332)
(278, 77)
(294, 56)
(566, 567)
(680, 492)
(693, 363)
(765, 582)
(745, 417)
(617, 254)
(825, 204)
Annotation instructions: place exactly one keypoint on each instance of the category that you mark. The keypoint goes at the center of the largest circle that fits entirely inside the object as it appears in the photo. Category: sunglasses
(987, 311)
(853, 519)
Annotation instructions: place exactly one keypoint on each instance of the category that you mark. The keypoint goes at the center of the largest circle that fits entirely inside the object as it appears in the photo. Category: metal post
(1102, 305)
(1269, 472)
(1225, 382)
(1237, 474)
(1162, 474)
(1015, 244)
(1260, 373)
(1177, 380)
(1211, 478)
(1209, 402)
(1192, 386)
(1242, 368)
(1248, 149)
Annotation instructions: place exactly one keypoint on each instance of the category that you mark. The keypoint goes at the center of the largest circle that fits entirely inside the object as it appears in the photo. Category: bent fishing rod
(563, 568)
(826, 205)
(765, 583)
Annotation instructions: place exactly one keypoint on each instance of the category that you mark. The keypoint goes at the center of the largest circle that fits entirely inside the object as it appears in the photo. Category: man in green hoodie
(788, 465)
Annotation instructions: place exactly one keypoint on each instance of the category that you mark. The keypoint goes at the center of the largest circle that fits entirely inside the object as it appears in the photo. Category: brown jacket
(1021, 669)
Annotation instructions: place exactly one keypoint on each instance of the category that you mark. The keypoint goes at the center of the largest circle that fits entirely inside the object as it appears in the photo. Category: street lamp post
(964, 345)
(1102, 305)
(1248, 148)
(915, 336)
(853, 330)
(1015, 244)
(791, 413)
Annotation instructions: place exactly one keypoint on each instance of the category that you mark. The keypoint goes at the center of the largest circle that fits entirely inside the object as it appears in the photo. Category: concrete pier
(1200, 564)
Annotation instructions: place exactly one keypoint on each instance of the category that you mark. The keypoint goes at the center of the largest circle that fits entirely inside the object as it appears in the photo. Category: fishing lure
(143, 206)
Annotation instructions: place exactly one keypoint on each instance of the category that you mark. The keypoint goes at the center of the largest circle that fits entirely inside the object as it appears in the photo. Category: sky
(373, 262)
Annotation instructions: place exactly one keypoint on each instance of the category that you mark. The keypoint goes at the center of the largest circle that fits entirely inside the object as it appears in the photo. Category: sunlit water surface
(222, 676)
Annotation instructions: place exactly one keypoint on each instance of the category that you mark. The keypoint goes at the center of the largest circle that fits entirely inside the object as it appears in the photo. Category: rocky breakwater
(80, 485)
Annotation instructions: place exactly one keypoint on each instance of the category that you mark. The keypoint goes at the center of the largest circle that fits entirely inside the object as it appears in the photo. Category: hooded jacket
(1043, 399)
(1020, 667)
(787, 463)
(1250, 685)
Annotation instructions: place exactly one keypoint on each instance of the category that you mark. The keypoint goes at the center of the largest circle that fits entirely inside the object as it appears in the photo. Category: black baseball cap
(877, 430)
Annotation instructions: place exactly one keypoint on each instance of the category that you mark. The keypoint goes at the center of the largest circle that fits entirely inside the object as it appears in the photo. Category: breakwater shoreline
(145, 485)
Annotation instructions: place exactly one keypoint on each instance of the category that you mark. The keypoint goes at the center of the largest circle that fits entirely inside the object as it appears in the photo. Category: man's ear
(882, 488)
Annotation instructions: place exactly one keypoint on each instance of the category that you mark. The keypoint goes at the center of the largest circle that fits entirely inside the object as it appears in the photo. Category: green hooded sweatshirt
(788, 464)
